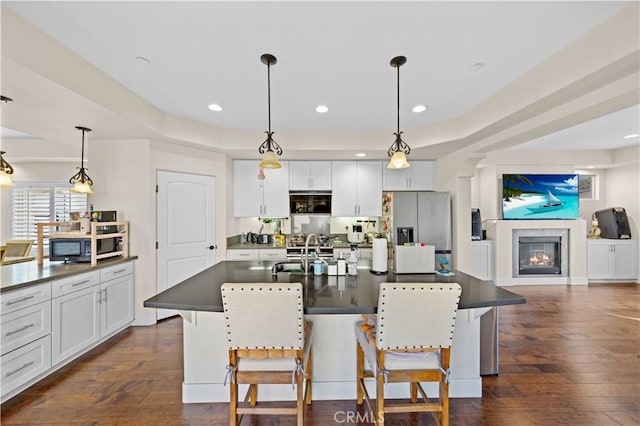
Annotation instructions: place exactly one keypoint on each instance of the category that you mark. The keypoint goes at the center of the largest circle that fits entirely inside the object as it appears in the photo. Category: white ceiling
(332, 53)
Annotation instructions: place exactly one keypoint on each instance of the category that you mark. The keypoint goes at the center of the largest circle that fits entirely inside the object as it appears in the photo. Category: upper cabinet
(310, 175)
(356, 188)
(262, 198)
(419, 176)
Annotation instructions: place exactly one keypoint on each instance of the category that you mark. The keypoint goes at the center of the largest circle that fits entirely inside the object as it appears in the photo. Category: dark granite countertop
(19, 275)
(323, 294)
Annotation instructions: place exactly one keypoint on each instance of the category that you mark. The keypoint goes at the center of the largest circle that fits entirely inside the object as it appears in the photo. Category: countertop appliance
(105, 216)
(79, 249)
(613, 223)
(428, 215)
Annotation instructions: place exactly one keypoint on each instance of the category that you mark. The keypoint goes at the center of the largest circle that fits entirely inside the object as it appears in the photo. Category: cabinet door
(598, 253)
(240, 254)
(320, 175)
(421, 176)
(75, 322)
(300, 175)
(369, 182)
(343, 188)
(247, 189)
(276, 192)
(273, 254)
(116, 307)
(396, 179)
(623, 260)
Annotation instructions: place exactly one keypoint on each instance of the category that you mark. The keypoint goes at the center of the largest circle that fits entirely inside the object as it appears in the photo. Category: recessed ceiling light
(215, 107)
(477, 66)
(419, 108)
(361, 154)
(590, 167)
(631, 136)
(322, 109)
(143, 60)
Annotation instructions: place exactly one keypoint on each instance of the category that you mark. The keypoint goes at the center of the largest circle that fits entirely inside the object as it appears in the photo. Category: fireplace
(540, 252)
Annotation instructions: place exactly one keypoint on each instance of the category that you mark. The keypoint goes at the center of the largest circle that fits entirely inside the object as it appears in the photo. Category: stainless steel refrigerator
(423, 217)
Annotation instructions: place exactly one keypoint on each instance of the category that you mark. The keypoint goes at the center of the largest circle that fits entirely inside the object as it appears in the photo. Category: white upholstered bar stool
(269, 343)
(409, 340)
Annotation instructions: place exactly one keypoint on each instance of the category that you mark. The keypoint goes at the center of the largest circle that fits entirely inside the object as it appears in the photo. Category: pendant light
(269, 147)
(5, 172)
(5, 168)
(82, 182)
(399, 149)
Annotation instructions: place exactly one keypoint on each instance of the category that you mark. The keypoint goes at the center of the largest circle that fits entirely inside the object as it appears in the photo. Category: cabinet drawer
(243, 254)
(77, 282)
(18, 299)
(24, 364)
(273, 254)
(116, 271)
(25, 326)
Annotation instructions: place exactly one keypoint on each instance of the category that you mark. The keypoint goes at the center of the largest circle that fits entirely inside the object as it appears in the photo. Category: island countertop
(350, 294)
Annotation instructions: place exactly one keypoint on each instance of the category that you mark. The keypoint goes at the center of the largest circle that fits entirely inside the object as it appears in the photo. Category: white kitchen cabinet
(419, 176)
(256, 254)
(612, 259)
(310, 175)
(25, 364)
(260, 198)
(356, 188)
(116, 298)
(76, 322)
(481, 259)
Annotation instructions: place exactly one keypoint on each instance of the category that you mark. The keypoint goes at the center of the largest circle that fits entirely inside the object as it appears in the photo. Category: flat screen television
(534, 197)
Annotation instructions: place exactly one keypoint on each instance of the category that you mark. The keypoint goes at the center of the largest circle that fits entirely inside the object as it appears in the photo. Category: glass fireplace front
(539, 255)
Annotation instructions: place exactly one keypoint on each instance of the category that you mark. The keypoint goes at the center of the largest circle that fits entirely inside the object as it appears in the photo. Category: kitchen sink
(290, 267)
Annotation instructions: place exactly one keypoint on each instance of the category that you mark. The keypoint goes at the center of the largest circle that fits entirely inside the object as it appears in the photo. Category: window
(587, 187)
(46, 202)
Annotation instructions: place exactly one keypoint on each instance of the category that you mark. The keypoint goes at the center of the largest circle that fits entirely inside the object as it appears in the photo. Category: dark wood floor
(570, 356)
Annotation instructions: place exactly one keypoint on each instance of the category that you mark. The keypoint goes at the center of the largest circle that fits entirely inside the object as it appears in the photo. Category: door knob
(213, 247)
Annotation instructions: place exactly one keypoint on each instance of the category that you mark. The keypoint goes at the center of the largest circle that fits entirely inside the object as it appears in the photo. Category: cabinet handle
(22, 299)
(9, 333)
(119, 271)
(105, 295)
(80, 283)
(10, 373)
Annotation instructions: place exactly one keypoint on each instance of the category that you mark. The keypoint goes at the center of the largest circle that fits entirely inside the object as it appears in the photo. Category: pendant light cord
(398, 97)
(269, 95)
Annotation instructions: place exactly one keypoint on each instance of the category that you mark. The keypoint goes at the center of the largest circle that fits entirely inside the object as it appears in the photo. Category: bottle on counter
(342, 265)
(353, 263)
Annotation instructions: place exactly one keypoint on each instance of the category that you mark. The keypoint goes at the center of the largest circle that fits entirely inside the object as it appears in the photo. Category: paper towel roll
(379, 256)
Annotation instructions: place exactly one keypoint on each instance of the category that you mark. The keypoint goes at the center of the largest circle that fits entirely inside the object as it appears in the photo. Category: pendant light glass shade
(81, 181)
(5, 172)
(399, 149)
(269, 147)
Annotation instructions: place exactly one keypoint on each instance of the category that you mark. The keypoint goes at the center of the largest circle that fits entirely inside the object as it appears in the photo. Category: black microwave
(79, 249)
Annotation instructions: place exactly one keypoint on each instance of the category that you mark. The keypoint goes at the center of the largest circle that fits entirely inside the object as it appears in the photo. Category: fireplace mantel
(501, 232)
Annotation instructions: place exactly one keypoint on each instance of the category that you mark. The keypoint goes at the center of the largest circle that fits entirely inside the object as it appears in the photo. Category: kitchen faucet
(305, 256)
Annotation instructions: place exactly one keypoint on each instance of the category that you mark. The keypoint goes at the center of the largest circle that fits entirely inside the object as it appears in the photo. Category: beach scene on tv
(540, 196)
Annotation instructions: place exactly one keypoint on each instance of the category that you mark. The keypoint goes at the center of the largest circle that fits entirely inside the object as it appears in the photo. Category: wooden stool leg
(253, 394)
(414, 392)
(380, 390)
(359, 372)
(300, 399)
(309, 378)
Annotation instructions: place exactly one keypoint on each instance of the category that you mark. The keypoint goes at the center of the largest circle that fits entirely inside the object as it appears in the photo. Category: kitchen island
(334, 304)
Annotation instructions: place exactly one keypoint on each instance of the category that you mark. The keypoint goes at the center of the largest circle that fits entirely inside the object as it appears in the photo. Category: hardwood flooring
(570, 356)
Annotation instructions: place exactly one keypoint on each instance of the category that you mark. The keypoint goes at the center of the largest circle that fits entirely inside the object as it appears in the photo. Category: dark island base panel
(323, 294)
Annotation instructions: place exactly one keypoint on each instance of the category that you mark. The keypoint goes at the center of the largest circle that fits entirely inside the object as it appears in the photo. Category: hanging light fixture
(82, 182)
(399, 149)
(269, 147)
(5, 168)
(5, 172)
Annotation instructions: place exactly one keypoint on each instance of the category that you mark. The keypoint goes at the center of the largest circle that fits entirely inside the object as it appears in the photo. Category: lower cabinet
(482, 259)
(257, 254)
(612, 259)
(47, 325)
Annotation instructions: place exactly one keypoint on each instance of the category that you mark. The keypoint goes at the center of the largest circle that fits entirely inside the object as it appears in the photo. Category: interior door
(186, 231)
